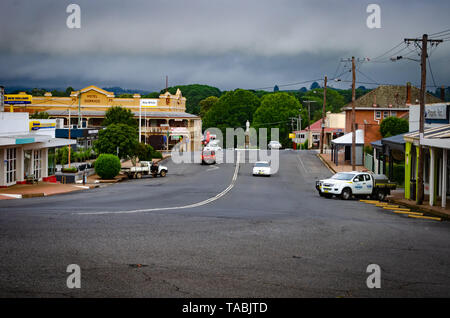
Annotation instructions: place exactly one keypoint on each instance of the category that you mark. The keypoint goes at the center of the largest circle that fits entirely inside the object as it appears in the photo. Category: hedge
(107, 166)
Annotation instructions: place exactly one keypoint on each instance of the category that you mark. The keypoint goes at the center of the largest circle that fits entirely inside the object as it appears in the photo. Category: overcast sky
(224, 43)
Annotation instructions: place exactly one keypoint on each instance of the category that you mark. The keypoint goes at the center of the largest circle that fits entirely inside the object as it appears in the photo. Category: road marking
(303, 166)
(194, 205)
(212, 168)
(424, 217)
(409, 213)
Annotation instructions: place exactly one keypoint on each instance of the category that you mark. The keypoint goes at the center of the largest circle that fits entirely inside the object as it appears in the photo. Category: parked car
(261, 168)
(274, 144)
(145, 168)
(354, 183)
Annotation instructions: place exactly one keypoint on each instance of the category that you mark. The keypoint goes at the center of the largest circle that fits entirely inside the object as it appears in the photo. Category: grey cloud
(224, 43)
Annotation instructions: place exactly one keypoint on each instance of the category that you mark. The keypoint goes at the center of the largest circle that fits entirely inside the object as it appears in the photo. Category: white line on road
(212, 168)
(303, 166)
(194, 205)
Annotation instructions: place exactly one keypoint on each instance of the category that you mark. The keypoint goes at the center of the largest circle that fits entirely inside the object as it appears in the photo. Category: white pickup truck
(354, 183)
(145, 168)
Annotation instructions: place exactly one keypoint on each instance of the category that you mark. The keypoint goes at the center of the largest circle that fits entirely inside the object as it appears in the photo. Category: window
(11, 165)
(302, 136)
(359, 178)
(37, 163)
(393, 113)
(367, 177)
(377, 114)
(315, 137)
(385, 114)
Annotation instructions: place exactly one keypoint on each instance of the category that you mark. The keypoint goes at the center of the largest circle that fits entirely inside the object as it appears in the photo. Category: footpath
(397, 196)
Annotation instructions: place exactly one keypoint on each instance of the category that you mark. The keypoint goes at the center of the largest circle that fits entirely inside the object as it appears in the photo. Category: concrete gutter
(326, 163)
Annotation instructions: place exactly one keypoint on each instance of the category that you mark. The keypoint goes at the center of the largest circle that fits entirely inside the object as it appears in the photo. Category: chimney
(443, 93)
(375, 100)
(408, 93)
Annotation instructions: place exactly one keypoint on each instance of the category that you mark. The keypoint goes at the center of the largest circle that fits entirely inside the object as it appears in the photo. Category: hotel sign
(148, 102)
(436, 111)
(14, 99)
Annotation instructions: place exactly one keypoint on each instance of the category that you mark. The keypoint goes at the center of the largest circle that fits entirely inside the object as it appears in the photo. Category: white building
(24, 147)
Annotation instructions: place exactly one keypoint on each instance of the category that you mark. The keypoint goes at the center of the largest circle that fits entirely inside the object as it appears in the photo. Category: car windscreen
(343, 176)
(261, 164)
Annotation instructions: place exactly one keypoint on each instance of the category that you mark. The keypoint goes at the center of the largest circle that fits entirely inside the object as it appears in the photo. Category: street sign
(148, 102)
(291, 136)
(13, 99)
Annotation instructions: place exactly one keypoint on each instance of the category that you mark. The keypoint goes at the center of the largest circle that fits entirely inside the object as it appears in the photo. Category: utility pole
(423, 83)
(69, 138)
(353, 116)
(322, 134)
(309, 110)
(79, 110)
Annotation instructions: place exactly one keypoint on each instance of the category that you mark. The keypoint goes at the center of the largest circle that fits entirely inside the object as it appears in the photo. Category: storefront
(24, 151)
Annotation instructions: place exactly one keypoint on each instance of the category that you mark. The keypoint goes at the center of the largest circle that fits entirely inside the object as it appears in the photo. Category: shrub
(144, 152)
(107, 166)
(156, 154)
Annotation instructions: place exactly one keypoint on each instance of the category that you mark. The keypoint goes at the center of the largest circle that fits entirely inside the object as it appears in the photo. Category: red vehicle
(208, 157)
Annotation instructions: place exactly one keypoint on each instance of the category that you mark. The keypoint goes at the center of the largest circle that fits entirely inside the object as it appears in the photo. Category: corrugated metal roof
(434, 132)
(57, 112)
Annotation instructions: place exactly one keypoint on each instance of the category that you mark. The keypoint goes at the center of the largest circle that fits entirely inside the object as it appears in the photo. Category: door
(359, 184)
(11, 166)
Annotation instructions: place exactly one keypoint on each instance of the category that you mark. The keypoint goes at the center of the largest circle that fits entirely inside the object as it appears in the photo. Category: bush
(144, 152)
(107, 166)
(156, 154)
(368, 149)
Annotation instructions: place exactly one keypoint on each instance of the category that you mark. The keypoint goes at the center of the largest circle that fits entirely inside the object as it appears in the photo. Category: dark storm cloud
(228, 44)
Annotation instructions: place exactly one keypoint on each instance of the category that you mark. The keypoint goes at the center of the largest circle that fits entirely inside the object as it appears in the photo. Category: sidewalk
(398, 197)
(40, 189)
(326, 159)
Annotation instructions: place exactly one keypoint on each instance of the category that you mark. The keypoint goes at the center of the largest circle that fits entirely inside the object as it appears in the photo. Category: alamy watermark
(251, 144)
(74, 19)
(374, 19)
(374, 279)
(74, 279)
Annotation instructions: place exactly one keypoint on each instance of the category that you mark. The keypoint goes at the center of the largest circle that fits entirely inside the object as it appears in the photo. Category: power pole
(423, 83)
(353, 116)
(322, 135)
(309, 110)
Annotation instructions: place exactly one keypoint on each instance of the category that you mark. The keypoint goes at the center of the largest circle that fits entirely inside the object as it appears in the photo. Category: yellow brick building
(164, 120)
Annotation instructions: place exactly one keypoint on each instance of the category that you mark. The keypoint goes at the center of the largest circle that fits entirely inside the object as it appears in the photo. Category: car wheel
(381, 195)
(138, 176)
(163, 173)
(346, 194)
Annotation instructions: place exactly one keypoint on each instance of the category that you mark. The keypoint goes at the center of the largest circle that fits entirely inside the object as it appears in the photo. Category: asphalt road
(265, 237)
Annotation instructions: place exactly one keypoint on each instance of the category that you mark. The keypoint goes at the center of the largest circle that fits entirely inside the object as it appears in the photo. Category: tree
(194, 94)
(275, 112)
(232, 110)
(119, 115)
(393, 126)
(115, 136)
(40, 115)
(206, 104)
(144, 152)
(107, 166)
(276, 88)
(126, 95)
(69, 90)
(315, 85)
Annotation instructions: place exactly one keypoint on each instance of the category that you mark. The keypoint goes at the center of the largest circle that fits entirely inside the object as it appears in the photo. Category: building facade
(382, 102)
(164, 121)
(26, 148)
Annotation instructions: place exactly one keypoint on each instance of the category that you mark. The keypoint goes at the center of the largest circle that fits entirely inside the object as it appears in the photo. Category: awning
(347, 138)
